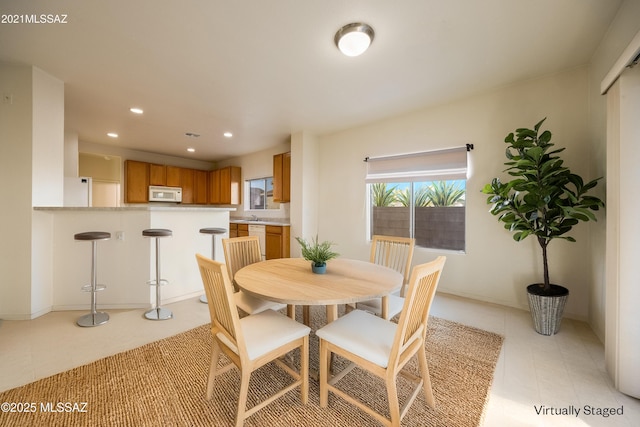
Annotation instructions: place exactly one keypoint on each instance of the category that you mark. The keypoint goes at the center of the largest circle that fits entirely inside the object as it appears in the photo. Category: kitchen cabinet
(225, 186)
(243, 230)
(136, 182)
(200, 180)
(277, 241)
(214, 187)
(222, 186)
(157, 174)
(233, 230)
(187, 184)
(282, 177)
(173, 177)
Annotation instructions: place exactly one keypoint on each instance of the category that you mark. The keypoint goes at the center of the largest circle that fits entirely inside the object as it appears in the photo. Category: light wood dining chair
(240, 252)
(383, 347)
(250, 342)
(396, 253)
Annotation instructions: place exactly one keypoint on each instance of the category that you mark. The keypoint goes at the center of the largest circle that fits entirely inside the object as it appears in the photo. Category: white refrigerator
(77, 191)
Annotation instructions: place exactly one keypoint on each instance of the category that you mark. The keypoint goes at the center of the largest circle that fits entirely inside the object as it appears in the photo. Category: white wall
(31, 160)
(495, 268)
(305, 189)
(142, 156)
(71, 159)
(15, 168)
(48, 139)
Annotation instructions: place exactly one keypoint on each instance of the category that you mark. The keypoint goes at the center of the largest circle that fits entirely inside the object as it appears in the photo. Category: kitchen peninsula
(127, 261)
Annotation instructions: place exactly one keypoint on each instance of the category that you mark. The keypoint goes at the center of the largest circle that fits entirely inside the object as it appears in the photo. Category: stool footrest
(154, 282)
(89, 288)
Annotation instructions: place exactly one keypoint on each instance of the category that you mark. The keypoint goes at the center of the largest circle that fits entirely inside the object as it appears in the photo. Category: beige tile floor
(561, 371)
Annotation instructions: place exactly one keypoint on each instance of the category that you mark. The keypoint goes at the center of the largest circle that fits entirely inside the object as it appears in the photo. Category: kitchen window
(421, 195)
(259, 194)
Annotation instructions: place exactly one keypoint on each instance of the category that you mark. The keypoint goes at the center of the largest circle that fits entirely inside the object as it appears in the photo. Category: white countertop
(163, 208)
(283, 222)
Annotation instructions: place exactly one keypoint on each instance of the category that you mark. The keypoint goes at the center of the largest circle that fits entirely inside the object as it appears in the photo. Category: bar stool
(158, 313)
(213, 231)
(95, 318)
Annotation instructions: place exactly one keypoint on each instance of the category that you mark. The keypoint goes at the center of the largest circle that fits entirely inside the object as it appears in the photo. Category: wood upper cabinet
(277, 242)
(173, 177)
(136, 182)
(187, 183)
(200, 186)
(225, 186)
(157, 174)
(214, 186)
(222, 186)
(282, 177)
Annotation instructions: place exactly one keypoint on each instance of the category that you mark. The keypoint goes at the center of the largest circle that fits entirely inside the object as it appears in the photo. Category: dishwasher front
(259, 230)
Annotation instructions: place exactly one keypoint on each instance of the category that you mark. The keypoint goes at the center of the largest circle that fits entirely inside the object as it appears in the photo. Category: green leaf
(537, 126)
(545, 137)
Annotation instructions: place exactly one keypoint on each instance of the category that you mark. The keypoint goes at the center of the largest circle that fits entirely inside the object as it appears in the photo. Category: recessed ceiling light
(191, 150)
(112, 135)
(228, 134)
(136, 110)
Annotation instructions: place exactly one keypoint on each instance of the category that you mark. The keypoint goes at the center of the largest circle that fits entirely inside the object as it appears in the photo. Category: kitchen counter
(142, 208)
(127, 260)
(267, 221)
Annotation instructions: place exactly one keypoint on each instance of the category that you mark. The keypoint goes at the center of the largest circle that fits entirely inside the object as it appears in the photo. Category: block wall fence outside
(435, 227)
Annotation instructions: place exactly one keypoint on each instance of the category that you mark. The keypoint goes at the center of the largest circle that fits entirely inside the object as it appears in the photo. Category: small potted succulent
(317, 253)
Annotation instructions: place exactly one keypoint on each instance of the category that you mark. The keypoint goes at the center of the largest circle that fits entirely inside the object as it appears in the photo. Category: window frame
(247, 198)
(425, 168)
(456, 244)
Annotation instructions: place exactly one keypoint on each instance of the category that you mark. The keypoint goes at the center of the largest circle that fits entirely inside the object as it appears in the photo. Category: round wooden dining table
(291, 281)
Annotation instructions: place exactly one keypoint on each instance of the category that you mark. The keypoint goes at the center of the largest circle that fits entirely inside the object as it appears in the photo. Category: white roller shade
(438, 165)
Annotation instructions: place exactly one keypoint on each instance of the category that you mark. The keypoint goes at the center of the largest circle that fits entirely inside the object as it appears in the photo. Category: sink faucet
(254, 218)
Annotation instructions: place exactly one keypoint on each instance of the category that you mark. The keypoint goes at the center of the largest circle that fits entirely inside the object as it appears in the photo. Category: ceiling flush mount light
(228, 134)
(136, 110)
(191, 150)
(112, 135)
(354, 39)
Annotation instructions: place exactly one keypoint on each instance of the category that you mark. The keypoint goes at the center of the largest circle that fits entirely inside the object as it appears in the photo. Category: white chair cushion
(363, 334)
(266, 331)
(252, 305)
(375, 305)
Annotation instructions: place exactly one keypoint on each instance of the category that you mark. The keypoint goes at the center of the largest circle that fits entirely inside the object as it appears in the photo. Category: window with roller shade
(420, 195)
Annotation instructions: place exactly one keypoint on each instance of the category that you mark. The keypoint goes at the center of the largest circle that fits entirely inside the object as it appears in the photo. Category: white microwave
(165, 194)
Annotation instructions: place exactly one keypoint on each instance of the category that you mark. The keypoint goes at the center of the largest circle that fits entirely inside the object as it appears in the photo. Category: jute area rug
(163, 384)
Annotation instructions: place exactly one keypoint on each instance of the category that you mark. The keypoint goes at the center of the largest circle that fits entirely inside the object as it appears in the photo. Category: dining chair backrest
(393, 252)
(412, 325)
(222, 307)
(240, 252)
